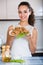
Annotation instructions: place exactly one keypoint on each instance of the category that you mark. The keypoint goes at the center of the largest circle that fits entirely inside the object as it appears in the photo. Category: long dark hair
(31, 19)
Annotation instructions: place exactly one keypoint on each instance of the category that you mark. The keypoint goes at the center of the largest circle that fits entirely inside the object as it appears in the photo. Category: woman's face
(24, 13)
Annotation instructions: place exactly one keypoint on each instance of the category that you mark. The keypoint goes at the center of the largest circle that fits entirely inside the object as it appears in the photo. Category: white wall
(37, 6)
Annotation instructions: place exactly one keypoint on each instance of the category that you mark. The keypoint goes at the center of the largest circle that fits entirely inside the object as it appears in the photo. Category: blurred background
(9, 16)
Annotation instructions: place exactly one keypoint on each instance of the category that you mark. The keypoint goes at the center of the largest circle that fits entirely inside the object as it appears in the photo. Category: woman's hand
(10, 38)
(28, 37)
(11, 28)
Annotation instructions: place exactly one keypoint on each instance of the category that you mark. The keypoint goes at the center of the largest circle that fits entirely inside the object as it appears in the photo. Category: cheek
(20, 15)
(27, 15)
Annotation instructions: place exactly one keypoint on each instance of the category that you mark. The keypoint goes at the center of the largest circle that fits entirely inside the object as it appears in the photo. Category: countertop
(28, 61)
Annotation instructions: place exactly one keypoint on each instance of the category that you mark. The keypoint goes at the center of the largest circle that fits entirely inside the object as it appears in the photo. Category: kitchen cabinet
(12, 8)
(2, 9)
(9, 8)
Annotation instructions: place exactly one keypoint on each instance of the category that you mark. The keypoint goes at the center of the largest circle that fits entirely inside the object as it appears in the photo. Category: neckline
(24, 26)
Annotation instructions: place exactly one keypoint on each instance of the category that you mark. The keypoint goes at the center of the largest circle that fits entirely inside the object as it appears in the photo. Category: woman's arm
(10, 38)
(32, 41)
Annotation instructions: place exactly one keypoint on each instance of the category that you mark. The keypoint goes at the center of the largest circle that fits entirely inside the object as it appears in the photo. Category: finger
(28, 35)
(11, 27)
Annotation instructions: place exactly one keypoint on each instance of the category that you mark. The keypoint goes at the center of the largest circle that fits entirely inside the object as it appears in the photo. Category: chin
(23, 20)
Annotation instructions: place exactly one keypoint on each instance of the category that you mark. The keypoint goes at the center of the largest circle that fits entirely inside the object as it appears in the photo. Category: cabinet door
(2, 9)
(37, 6)
(12, 8)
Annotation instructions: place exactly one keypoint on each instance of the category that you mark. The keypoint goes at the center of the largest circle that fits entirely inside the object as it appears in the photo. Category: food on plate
(19, 31)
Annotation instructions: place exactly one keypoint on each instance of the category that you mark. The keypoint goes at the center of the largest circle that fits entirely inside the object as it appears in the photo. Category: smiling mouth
(23, 17)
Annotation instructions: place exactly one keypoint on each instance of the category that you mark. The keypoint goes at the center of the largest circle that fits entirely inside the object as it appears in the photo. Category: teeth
(22, 17)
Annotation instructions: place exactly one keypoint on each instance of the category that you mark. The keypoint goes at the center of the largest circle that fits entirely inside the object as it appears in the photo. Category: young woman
(23, 47)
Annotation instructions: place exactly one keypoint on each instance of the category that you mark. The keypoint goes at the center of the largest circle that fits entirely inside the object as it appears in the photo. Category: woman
(23, 47)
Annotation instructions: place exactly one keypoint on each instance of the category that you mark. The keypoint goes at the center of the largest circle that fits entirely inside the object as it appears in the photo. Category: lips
(23, 17)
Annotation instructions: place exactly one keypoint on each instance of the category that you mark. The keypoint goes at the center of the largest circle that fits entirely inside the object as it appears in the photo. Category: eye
(25, 11)
(19, 12)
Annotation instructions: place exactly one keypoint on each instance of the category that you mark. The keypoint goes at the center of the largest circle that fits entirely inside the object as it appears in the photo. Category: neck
(23, 23)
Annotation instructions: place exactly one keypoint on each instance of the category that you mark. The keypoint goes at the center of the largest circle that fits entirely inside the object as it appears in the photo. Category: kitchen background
(9, 16)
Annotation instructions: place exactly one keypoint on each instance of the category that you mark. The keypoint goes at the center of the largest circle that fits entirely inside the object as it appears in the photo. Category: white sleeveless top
(20, 47)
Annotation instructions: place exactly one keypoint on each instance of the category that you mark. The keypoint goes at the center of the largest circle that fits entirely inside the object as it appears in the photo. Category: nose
(22, 14)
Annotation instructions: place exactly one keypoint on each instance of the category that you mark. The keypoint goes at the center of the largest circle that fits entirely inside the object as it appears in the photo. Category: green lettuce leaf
(18, 61)
(21, 35)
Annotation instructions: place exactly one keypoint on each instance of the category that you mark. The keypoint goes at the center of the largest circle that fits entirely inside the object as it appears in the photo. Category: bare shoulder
(35, 31)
